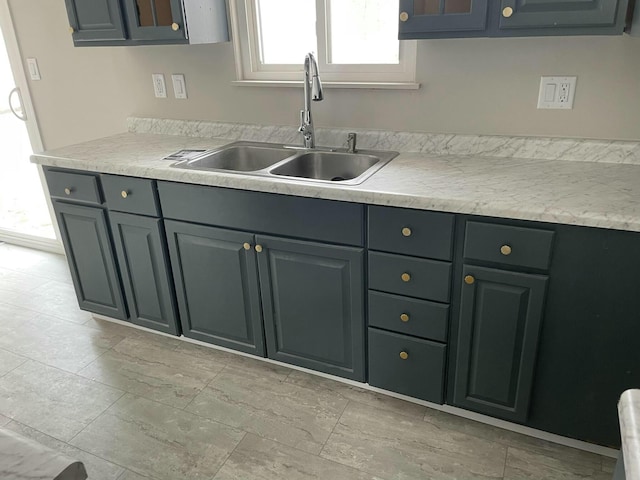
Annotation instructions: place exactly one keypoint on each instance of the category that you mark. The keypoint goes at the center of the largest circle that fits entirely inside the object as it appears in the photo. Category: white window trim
(251, 72)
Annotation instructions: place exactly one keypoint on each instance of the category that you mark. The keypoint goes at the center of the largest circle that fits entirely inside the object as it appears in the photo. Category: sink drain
(338, 179)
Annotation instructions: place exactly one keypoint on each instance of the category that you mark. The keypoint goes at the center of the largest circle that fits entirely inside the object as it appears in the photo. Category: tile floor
(134, 405)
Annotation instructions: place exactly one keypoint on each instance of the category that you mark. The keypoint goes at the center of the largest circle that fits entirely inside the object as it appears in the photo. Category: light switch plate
(179, 86)
(34, 71)
(159, 87)
(557, 92)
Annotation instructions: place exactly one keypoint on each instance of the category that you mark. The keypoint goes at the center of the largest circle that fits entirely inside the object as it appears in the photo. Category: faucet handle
(301, 127)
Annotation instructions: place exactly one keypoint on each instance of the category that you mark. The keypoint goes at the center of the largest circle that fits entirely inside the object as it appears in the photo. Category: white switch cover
(159, 87)
(34, 71)
(557, 92)
(179, 85)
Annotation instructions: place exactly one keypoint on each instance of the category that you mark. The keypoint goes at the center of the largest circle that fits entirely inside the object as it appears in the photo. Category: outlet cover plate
(159, 87)
(557, 92)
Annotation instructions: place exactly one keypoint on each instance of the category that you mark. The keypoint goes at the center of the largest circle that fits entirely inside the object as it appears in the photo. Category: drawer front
(411, 232)
(407, 365)
(410, 316)
(283, 215)
(415, 277)
(517, 246)
(130, 195)
(73, 186)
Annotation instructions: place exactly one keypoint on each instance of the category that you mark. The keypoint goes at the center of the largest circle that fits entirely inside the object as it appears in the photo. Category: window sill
(298, 84)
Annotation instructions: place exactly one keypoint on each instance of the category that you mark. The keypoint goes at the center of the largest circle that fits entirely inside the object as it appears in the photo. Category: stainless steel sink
(277, 161)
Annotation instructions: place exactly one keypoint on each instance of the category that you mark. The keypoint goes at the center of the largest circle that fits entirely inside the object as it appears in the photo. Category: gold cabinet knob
(175, 27)
(124, 194)
(246, 245)
(404, 16)
(469, 279)
(258, 248)
(507, 12)
(404, 355)
(404, 317)
(71, 29)
(67, 191)
(405, 277)
(406, 232)
(505, 250)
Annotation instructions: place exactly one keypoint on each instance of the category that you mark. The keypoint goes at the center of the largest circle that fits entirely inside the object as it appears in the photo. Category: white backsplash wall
(469, 86)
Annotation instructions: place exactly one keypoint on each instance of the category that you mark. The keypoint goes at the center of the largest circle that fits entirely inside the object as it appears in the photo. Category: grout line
(506, 456)
(92, 421)
(229, 456)
(334, 427)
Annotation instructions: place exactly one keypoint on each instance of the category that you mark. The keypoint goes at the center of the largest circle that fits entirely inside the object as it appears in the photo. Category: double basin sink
(273, 160)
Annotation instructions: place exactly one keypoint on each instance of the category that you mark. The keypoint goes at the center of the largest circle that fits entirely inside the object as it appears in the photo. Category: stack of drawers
(410, 270)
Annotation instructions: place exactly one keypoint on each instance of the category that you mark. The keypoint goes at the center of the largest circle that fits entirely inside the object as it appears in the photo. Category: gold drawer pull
(469, 279)
(406, 232)
(68, 191)
(404, 16)
(258, 248)
(175, 27)
(405, 277)
(507, 12)
(71, 29)
(247, 246)
(505, 250)
(124, 194)
(404, 355)
(404, 317)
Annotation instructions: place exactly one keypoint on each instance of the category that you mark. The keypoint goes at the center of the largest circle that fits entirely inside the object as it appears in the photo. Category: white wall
(474, 86)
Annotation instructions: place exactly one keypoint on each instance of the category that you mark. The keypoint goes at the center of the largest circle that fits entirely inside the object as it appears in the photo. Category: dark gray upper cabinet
(142, 257)
(500, 318)
(216, 280)
(147, 22)
(500, 18)
(313, 302)
(85, 236)
(95, 20)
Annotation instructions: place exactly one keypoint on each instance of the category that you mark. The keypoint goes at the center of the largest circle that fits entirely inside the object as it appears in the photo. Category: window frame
(251, 71)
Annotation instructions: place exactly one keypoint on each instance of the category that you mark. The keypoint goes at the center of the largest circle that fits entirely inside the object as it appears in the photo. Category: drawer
(130, 195)
(415, 277)
(409, 316)
(517, 246)
(411, 232)
(407, 365)
(73, 186)
(283, 215)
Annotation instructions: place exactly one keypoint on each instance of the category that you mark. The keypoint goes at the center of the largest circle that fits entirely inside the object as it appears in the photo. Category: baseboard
(37, 243)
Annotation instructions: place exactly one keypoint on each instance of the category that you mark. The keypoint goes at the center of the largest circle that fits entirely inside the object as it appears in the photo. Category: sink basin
(276, 161)
(328, 166)
(239, 157)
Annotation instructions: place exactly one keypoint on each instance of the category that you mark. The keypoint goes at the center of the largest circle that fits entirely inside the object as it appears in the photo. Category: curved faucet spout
(312, 91)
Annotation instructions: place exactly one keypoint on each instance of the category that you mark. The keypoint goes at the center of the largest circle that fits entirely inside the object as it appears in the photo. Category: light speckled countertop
(629, 414)
(593, 194)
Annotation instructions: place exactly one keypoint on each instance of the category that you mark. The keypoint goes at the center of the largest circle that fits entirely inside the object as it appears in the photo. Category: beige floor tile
(9, 361)
(522, 465)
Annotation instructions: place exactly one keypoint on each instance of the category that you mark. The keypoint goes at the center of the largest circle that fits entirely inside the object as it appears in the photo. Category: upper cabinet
(147, 22)
(501, 18)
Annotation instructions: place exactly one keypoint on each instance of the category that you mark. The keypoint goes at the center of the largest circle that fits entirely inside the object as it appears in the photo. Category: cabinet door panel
(500, 319)
(559, 13)
(153, 19)
(429, 16)
(85, 236)
(95, 20)
(143, 261)
(216, 284)
(313, 297)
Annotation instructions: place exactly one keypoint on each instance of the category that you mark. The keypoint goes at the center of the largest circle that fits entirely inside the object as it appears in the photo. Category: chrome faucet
(312, 91)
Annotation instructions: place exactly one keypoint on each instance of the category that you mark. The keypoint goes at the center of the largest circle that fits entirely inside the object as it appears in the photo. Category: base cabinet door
(500, 319)
(313, 303)
(91, 259)
(216, 281)
(148, 286)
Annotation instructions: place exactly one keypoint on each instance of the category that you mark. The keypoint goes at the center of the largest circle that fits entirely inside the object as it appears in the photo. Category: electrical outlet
(179, 86)
(159, 87)
(557, 92)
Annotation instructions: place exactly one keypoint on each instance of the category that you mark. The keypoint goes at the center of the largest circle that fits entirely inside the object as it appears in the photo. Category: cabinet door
(554, 15)
(95, 20)
(216, 282)
(142, 258)
(155, 20)
(500, 319)
(312, 297)
(433, 16)
(85, 236)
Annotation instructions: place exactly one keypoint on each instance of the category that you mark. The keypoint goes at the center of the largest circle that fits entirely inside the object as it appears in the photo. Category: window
(355, 41)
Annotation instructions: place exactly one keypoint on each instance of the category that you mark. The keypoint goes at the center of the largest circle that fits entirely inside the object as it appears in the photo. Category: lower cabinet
(499, 328)
(139, 243)
(216, 280)
(312, 297)
(85, 235)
